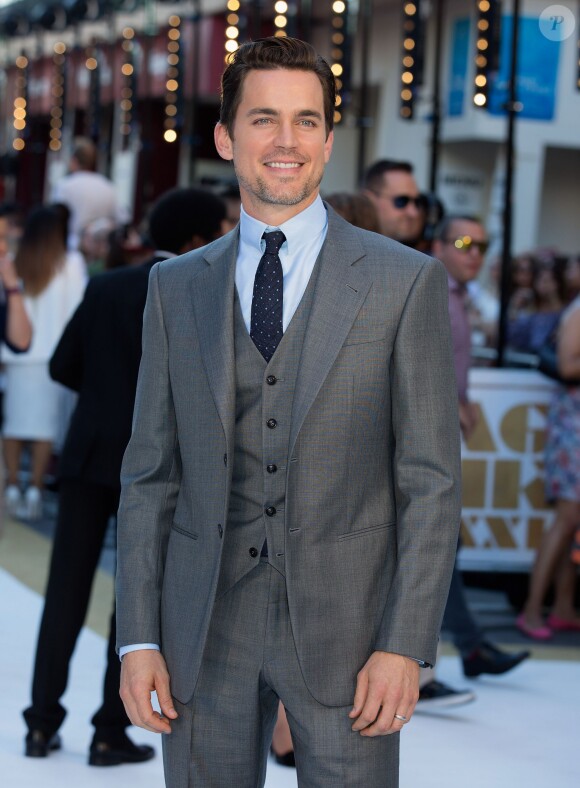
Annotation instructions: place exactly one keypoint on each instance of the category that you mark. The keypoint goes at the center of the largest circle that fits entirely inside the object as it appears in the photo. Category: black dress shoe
(118, 750)
(38, 744)
(489, 659)
(284, 760)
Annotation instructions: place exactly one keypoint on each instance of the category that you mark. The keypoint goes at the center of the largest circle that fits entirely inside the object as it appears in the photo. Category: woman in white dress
(53, 281)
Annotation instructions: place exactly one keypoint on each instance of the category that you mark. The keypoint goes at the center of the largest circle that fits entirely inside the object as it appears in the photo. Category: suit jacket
(373, 496)
(98, 356)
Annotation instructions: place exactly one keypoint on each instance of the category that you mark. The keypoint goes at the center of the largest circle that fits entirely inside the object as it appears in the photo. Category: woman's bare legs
(41, 452)
(12, 452)
(554, 545)
(565, 588)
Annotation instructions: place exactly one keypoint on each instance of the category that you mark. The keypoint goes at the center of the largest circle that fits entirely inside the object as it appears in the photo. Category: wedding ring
(400, 717)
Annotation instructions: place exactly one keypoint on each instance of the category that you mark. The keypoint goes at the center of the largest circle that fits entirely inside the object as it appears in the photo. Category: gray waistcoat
(264, 397)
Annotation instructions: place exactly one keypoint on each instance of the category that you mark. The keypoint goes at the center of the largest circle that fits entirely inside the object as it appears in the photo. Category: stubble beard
(293, 195)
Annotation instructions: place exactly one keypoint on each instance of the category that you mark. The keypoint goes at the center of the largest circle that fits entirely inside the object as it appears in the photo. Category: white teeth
(283, 165)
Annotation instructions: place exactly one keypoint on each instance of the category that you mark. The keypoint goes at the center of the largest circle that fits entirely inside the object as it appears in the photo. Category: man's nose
(286, 135)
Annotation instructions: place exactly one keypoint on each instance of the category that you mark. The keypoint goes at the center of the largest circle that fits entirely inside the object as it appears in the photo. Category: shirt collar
(304, 226)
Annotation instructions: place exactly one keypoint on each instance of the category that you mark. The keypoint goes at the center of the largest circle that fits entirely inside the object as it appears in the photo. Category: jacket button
(271, 468)
(253, 552)
(271, 380)
(226, 460)
(272, 423)
(220, 530)
(270, 511)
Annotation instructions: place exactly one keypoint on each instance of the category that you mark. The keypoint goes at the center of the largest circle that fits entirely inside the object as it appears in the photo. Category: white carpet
(522, 731)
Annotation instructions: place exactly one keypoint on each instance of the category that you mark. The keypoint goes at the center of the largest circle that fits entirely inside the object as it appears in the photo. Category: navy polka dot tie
(266, 326)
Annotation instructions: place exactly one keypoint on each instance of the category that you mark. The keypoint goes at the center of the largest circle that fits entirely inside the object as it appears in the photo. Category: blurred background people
(532, 327)
(98, 356)
(562, 477)
(95, 242)
(15, 328)
(88, 194)
(460, 243)
(233, 203)
(53, 281)
(400, 207)
(358, 209)
(572, 277)
(521, 301)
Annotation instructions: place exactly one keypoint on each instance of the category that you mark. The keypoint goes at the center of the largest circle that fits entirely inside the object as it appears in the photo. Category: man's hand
(142, 672)
(388, 684)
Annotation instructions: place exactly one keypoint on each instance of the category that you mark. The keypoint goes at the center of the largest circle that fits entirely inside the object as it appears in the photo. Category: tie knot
(274, 241)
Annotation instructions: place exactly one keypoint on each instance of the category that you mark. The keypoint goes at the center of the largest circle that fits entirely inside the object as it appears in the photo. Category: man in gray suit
(291, 497)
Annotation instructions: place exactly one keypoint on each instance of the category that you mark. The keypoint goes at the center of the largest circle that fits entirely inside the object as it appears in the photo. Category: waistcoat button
(270, 511)
(271, 468)
(272, 423)
(271, 379)
(253, 552)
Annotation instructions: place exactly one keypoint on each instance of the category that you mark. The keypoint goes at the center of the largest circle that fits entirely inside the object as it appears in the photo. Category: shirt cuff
(137, 647)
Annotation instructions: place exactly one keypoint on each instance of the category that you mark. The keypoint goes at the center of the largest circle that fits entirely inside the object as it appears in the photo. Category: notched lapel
(213, 307)
(341, 290)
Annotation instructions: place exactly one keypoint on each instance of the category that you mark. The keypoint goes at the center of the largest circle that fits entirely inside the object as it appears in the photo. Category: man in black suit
(98, 356)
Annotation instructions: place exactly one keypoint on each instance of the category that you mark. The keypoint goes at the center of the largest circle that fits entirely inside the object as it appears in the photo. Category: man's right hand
(142, 672)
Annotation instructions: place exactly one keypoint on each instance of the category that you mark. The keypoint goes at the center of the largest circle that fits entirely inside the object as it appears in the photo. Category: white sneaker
(33, 503)
(12, 500)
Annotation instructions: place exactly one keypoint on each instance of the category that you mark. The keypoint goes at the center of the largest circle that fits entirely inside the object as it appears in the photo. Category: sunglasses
(400, 201)
(465, 243)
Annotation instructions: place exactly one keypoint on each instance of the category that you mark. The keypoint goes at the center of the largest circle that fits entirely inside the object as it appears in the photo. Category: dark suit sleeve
(66, 364)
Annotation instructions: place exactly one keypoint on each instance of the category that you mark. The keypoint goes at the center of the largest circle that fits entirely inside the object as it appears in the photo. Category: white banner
(504, 508)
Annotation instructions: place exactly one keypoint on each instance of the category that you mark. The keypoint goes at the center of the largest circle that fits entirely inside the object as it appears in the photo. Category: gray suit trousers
(222, 737)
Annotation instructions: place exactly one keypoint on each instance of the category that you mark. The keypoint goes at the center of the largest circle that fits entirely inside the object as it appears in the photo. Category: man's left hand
(386, 686)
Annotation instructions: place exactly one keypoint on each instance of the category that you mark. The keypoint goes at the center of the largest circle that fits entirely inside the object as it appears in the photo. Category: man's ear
(223, 142)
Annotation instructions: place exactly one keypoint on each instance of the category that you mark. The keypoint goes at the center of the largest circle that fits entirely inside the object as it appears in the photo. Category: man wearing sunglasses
(392, 188)
(460, 244)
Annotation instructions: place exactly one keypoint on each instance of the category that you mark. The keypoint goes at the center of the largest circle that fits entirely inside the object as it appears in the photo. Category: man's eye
(263, 121)
(308, 123)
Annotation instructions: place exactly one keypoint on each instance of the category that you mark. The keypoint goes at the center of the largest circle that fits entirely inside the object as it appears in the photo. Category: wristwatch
(18, 288)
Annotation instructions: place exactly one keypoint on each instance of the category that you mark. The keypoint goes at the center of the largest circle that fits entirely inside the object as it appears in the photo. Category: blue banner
(458, 67)
(537, 71)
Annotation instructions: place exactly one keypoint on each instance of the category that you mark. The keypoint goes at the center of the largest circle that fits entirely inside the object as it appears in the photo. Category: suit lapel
(213, 307)
(340, 292)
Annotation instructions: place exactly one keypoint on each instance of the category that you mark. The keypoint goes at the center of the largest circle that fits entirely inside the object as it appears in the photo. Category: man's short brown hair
(269, 54)
(85, 153)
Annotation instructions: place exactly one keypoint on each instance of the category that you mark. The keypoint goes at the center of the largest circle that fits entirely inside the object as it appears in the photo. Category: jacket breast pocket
(363, 334)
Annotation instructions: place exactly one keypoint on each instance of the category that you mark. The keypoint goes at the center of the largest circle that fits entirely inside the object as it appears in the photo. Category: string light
(92, 117)
(411, 58)
(487, 49)
(339, 54)
(128, 86)
(234, 21)
(58, 96)
(20, 102)
(172, 120)
(281, 18)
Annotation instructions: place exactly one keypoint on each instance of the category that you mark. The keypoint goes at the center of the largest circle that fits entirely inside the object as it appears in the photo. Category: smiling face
(279, 145)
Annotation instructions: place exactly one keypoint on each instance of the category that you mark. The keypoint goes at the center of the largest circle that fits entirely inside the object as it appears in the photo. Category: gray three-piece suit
(341, 453)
